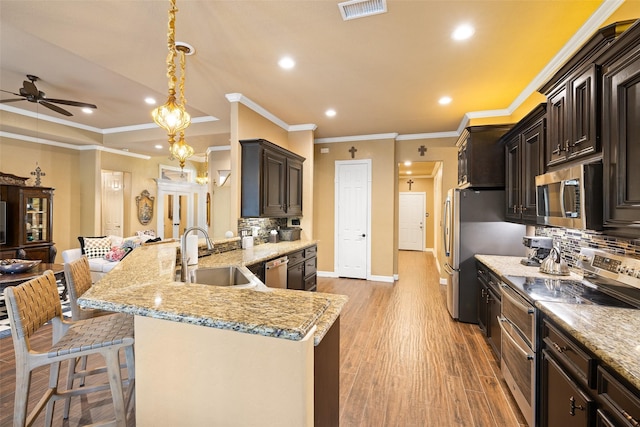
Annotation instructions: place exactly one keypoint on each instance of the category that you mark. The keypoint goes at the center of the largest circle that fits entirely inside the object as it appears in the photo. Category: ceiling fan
(30, 92)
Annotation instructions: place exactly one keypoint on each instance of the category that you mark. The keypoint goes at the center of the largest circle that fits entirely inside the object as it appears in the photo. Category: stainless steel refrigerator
(473, 223)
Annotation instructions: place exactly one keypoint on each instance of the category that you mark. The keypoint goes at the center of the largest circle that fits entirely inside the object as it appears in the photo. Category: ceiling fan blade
(11, 100)
(73, 103)
(55, 108)
(30, 88)
(12, 93)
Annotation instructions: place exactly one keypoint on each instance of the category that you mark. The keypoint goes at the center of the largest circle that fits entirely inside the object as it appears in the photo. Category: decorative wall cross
(353, 150)
(410, 182)
(38, 173)
(422, 150)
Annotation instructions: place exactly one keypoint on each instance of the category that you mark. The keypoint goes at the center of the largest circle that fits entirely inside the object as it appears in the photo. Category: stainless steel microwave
(571, 197)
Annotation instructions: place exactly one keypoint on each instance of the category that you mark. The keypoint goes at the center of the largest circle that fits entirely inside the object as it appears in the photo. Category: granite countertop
(256, 254)
(591, 325)
(510, 266)
(144, 284)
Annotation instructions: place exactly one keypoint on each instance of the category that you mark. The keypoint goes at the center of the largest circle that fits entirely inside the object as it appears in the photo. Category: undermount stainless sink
(223, 276)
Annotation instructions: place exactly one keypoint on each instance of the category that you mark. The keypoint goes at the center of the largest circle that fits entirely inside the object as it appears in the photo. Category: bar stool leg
(115, 381)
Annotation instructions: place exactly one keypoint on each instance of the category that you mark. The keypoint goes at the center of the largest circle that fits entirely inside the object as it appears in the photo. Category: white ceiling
(382, 74)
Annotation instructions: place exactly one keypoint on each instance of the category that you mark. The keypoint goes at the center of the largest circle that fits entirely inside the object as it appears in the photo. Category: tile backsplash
(265, 225)
(571, 241)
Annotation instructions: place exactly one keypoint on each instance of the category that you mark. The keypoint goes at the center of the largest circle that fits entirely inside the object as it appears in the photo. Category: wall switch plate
(324, 150)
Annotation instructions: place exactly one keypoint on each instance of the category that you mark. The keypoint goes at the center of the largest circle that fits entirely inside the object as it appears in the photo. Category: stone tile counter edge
(144, 284)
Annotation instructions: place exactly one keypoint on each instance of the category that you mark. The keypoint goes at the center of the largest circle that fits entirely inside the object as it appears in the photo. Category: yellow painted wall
(76, 177)
(383, 164)
(62, 173)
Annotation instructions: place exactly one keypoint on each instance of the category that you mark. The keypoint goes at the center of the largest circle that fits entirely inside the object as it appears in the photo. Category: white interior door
(411, 218)
(112, 203)
(353, 210)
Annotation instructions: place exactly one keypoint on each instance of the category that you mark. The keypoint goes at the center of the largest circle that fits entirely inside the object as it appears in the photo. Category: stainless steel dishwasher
(275, 272)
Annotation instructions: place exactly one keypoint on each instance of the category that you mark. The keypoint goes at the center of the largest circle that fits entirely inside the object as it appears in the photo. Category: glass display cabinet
(29, 223)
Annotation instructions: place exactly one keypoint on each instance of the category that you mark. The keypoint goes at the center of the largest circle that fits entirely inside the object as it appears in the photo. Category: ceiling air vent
(360, 8)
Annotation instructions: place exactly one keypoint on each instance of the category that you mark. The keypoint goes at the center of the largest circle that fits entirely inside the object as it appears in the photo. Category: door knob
(364, 235)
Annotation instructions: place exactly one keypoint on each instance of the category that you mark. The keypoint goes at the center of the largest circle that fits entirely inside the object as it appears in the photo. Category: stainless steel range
(610, 280)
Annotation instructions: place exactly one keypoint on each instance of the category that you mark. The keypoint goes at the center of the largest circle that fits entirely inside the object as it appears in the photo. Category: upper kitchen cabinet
(621, 135)
(271, 180)
(480, 157)
(524, 159)
(574, 96)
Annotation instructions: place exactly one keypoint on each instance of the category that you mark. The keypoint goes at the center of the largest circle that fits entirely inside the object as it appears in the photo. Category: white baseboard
(388, 279)
(330, 274)
(334, 275)
(429, 250)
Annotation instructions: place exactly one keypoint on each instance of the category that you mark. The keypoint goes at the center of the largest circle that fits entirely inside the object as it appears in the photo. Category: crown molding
(356, 138)
(71, 146)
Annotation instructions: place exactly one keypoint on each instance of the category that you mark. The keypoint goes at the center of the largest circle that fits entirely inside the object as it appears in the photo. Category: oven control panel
(617, 267)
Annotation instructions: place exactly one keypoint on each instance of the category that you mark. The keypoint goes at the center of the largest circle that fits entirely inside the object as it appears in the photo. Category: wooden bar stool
(78, 278)
(36, 302)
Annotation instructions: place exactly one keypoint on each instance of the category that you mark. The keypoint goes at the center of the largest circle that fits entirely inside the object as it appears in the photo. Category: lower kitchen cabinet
(620, 404)
(301, 272)
(257, 270)
(578, 389)
(565, 403)
(489, 307)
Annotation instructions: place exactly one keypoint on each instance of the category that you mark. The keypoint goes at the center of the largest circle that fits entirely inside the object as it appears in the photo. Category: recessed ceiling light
(462, 32)
(330, 112)
(408, 172)
(444, 100)
(158, 146)
(287, 63)
(87, 110)
(407, 163)
(149, 100)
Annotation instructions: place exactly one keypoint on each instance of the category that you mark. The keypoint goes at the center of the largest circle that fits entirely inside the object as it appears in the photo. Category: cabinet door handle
(558, 348)
(629, 418)
(483, 293)
(573, 406)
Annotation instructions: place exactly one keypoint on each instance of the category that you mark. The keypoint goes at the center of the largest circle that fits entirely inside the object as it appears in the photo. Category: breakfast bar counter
(216, 355)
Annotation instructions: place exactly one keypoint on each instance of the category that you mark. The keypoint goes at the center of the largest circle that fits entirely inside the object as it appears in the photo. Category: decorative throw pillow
(116, 253)
(95, 247)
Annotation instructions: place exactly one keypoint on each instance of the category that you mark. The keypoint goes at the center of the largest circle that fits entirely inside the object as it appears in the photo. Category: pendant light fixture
(171, 116)
(181, 150)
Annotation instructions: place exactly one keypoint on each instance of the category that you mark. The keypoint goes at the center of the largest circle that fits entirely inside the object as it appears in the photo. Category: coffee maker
(539, 249)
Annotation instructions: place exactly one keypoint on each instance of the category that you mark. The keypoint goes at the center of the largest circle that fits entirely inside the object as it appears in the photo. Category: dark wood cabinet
(577, 388)
(257, 270)
(621, 131)
(29, 219)
(574, 117)
(620, 405)
(565, 402)
(271, 181)
(574, 100)
(489, 307)
(301, 271)
(480, 157)
(524, 159)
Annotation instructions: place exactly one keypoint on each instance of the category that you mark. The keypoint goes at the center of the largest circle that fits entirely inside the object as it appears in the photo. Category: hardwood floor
(404, 362)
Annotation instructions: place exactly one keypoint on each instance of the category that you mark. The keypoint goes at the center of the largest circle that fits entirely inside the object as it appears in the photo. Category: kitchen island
(212, 355)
